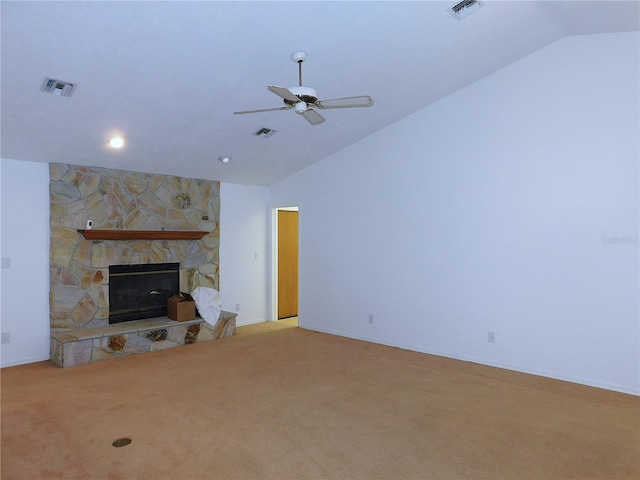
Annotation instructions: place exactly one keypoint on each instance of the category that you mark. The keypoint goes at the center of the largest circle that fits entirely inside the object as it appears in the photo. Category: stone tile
(75, 220)
(147, 202)
(64, 298)
(124, 198)
(102, 342)
(135, 184)
(194, 261)
(103, 255)
(111, 207)
(206, 333)
(154, 182)
(139, 342)
(176, 334)
(58, 321)
(95, 207)
(56, 352)
(155, 346)
(57, 171)
(57, 210)
(151, 323)
(134, 219)
(164, 195)
(64, 236)
(133, 349)
(226, 327)
(175, 220)
(84, 310)
(61, 254)
(101, 354)
(63, 276)
(77, 353)
(62, 336)
(62, 192)
(105, 185)
(82, 253)
(76, 206)
(89, 184)
(172, 183)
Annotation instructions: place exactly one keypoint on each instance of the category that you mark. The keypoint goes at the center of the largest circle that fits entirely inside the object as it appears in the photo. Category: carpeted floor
(280, 402)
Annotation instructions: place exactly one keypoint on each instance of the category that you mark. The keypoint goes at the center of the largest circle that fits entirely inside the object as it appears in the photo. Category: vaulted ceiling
(169, 75)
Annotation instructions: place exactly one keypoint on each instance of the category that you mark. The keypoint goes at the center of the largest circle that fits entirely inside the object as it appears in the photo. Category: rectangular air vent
(58, 87)
(465, 8)
(265, 132)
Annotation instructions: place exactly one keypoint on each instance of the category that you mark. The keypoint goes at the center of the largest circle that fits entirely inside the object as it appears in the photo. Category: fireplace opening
(141, 291)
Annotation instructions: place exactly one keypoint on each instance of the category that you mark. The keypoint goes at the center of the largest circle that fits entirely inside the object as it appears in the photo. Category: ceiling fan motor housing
(305, 94)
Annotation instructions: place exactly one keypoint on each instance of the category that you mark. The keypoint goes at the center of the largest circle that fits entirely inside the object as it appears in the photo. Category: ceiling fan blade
(283, 93)
(346, 102)
(313, 117)
(264, 110)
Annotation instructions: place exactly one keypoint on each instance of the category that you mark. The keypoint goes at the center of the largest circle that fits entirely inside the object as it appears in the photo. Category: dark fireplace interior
(141, 291)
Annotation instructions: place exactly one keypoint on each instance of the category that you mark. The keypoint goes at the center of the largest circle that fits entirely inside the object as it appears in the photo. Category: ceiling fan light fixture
(301, 107)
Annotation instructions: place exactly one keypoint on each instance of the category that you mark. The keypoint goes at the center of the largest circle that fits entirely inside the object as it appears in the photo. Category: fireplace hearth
(141, 291)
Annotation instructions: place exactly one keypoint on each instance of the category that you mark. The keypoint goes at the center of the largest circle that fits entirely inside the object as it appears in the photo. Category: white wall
(24, 236)
(486, 212)
(243, 226)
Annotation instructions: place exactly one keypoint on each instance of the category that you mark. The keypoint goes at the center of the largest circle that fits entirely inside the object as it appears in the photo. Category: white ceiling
(169, 75)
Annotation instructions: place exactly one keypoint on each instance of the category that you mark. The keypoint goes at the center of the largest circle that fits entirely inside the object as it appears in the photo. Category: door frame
(274, 259)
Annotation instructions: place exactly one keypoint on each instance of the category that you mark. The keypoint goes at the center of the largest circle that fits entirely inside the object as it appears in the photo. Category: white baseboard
(483, 361)
(250, 322)
(24, 361)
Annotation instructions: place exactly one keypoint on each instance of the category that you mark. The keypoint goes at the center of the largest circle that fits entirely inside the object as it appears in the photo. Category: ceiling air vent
(265, 132)
(465, 8)
(58, 87)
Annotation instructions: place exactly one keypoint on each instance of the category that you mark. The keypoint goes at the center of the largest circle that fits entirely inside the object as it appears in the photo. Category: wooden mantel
(142, 234)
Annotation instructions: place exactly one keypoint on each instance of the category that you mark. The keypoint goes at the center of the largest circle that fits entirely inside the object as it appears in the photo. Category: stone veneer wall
(114, 199)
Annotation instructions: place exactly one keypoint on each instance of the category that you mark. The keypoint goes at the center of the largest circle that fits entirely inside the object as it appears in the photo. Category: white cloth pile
(208, 304)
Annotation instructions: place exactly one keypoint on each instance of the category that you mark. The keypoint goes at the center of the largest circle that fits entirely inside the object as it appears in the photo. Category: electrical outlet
(6, 262)
(370, 318)
(237, 307)
(491, 337)
(6, 337)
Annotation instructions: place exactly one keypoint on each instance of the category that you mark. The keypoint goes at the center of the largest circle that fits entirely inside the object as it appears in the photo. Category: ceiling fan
(301, 98)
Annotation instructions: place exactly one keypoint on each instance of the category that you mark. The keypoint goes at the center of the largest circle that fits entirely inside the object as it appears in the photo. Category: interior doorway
(287, 263)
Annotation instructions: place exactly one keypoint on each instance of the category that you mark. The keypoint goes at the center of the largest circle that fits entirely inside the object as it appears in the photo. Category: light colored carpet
(291, 321)
(279, 402)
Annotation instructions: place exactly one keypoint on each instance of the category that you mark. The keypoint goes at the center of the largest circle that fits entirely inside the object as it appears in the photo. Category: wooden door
(287, 264)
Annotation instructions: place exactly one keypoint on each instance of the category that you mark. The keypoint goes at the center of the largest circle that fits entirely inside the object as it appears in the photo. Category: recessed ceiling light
(224, 159)
(116, 142)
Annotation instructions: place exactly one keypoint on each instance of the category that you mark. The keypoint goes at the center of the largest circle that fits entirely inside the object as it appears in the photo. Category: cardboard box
(181, 307)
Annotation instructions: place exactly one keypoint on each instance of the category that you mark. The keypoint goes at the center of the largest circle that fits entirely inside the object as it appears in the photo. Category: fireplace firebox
(141, 291)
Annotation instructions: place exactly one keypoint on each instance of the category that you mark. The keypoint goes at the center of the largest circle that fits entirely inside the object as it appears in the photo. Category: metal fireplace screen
(141, 291)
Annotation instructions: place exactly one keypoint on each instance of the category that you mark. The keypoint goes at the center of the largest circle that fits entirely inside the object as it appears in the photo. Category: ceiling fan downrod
(299, 57)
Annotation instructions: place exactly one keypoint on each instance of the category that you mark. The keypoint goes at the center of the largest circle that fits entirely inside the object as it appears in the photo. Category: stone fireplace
(127, 201)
